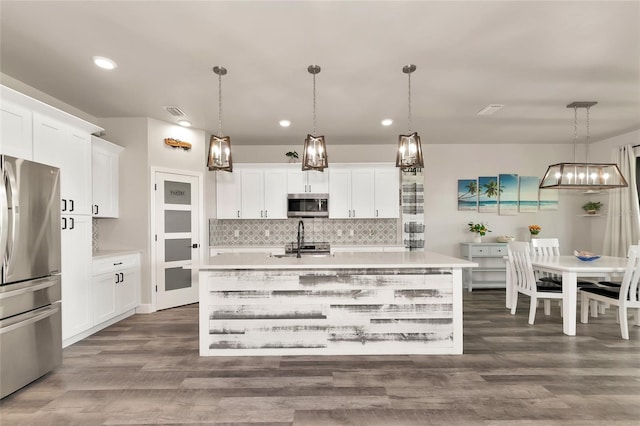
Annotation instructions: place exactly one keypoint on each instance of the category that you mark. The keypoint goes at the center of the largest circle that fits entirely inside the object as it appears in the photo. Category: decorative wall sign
(528, 202)
(177, 143)
(508, 194)
(488, 194)
(467, 194)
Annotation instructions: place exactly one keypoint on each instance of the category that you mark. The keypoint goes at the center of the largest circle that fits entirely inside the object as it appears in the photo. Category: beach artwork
(488, 191)
(508, 194)
(528, 200)
(468, 194)
(548, 199)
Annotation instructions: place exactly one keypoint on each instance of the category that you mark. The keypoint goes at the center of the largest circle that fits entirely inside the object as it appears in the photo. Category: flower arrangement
(479, 228)
(534, 229)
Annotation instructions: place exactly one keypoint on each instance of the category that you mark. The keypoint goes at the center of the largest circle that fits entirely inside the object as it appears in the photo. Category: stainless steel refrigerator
(30, 306)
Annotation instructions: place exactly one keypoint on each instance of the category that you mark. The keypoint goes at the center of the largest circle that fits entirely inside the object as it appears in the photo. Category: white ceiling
(534, 57)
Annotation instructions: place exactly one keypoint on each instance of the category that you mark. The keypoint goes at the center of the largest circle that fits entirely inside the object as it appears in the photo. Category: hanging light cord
(575, 133)
(588, 138)
(314, 105)
(219, 105)
(409, 76)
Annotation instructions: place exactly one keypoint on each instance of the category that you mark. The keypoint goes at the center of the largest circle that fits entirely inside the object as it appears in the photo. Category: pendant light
(314, 153)
(585, 176)
(219, 157)
(409, 147)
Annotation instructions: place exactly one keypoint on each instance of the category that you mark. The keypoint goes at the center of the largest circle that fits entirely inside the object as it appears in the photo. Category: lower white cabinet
(116, 286)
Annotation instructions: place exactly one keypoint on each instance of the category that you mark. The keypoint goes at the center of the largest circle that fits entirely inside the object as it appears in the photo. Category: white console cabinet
(492, 270)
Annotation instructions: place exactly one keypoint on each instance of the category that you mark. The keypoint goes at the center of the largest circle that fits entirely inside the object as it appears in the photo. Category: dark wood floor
(146, 370)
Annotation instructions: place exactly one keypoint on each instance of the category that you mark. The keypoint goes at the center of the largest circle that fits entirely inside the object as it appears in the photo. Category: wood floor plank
(146, 370)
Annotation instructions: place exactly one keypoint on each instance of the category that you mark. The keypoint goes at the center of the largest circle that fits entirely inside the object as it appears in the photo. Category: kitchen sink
(302, 254)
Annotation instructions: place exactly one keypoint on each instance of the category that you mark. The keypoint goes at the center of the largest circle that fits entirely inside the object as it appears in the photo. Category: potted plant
(534, 230)
(480, 229)
(293, 155)
(592, 207)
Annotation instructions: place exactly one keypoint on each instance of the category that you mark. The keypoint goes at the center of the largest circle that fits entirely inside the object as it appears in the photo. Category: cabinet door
(228, 195)
(296, 181)
(275, 194)
(252, 194)
(362, 193)
(318, 182)
(127, 290)
(15, 130)
(104, 297)
(104, 171)
(76, 275)
(339, 193)
(61, 146)
(387, 193)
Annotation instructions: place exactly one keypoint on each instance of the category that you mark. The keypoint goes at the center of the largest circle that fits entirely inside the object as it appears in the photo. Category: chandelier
(219, 157)
(409, 148)
(586, 176)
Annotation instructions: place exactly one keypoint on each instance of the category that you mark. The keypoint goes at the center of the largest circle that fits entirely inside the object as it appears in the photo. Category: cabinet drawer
(115, 263)
(498, 251)
(481, 251)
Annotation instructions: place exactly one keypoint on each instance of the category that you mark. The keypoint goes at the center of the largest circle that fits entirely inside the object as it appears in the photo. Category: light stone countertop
(370, 260)
(99, 254)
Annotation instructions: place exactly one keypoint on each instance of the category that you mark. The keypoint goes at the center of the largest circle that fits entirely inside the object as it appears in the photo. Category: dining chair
(523, 280)
(625, 297)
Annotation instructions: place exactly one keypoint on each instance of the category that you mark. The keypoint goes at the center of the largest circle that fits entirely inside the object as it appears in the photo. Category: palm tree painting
(488, 193)
(508, 199)
(467, 194)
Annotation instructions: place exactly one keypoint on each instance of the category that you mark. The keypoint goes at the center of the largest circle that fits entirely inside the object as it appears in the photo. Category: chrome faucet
(300, 236)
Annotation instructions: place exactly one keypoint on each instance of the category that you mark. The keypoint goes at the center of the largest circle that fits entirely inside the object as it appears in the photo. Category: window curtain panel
(623, 218)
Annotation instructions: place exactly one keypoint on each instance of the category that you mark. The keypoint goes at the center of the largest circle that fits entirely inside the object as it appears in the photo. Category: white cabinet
(252, 193)
(312, 181)
(15, 130)
(492, 270)
(58, 144)
(116, 286)
(228, 195)
(351, 193)
(264, 194)
(387, 192)
(364, 192)
(104, 171)
(76, 274)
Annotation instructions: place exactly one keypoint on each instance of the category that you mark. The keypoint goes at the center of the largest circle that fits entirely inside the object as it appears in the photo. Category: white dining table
(570, 267)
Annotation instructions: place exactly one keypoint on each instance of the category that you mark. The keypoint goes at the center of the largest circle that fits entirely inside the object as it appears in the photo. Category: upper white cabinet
(387, 192)
(104, 171)
(15, 130)
(363, 192)
(228, 195)
(264, 193)
(57, 144)
(312, 181)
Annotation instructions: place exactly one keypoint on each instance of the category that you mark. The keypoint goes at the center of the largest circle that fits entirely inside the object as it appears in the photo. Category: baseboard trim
(145, 309)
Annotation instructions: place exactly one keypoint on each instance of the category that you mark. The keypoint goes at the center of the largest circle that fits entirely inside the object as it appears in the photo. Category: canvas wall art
(548, 199)
(468, 194)
(488, 191)
(528, 199)
(508, 194)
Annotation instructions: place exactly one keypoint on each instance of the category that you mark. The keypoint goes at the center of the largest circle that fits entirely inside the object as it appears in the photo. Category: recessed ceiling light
(184, 123)
(285, 123)
(490, 109)
(104, 63)
(387, 122)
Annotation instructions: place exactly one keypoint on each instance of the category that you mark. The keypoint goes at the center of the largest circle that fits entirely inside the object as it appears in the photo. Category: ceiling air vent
(175, 111)
(490, 109)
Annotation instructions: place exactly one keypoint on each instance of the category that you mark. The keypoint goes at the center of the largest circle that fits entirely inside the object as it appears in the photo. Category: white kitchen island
(347, 303)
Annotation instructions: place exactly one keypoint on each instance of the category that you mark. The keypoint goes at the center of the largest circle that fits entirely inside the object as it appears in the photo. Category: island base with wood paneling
(331, 306)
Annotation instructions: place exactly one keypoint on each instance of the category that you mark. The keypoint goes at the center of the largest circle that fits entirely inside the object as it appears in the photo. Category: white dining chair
(523, 281)
(625, 297)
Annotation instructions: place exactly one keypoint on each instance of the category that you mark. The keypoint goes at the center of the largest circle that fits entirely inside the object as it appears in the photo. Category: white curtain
(623, 218)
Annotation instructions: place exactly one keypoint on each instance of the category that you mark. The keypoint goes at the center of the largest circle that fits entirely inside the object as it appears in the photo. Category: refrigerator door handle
(12, 204)
(4, 218)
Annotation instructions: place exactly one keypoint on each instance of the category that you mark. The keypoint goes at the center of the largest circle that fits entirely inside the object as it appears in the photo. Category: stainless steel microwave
(308, 205)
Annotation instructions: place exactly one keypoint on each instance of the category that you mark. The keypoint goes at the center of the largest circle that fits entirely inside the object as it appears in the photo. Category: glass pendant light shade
(314, 156)
(583, 176)
(314, 152)
(219, 157)
(409, 151)
(586, 176)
